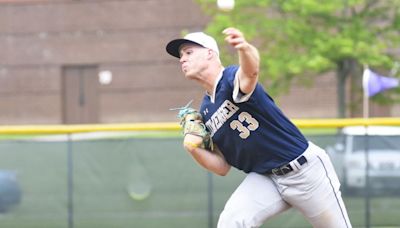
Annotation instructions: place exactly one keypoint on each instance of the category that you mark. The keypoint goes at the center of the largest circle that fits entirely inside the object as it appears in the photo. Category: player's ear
(210, 54)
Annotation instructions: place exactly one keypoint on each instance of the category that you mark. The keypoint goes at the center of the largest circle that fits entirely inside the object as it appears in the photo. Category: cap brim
(174, 46)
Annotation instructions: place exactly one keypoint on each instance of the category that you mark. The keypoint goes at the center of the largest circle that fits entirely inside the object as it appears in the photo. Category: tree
(300, 39)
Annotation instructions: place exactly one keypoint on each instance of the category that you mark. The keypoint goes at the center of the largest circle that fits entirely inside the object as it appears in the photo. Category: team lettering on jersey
(224, 112)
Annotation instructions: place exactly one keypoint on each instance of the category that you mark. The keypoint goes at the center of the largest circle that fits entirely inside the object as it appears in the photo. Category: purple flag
(374, 83)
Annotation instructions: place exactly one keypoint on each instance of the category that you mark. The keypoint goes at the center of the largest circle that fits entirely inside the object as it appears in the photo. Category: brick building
(57, 57)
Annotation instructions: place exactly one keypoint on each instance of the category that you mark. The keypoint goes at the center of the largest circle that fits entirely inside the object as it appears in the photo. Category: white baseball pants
(312, 188)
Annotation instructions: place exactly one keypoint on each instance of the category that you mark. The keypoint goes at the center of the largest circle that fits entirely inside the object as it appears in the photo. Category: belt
(285, 169)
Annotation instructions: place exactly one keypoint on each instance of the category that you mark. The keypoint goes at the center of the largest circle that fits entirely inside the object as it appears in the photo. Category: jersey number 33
(244, 124)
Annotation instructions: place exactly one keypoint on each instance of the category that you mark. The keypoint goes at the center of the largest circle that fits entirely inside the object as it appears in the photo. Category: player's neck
(210, 78)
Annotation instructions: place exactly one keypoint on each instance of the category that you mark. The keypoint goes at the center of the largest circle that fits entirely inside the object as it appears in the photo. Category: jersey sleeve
(233, 77)
(238, 96)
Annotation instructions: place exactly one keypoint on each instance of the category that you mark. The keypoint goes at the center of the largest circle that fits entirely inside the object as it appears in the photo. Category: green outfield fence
(138, 175)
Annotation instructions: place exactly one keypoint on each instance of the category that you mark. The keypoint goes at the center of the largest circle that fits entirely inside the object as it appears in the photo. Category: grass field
(104, 169)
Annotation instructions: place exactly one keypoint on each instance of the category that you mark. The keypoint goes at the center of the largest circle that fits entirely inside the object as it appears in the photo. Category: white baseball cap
(198, 38)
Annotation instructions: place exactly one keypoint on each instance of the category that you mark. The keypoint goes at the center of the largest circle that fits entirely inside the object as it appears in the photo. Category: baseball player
(239, 125)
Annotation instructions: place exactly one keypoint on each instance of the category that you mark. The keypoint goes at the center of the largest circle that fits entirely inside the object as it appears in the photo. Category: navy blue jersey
(252, 133)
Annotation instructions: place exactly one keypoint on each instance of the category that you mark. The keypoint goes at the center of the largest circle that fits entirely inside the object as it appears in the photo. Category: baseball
(105, 77)
(226, 5)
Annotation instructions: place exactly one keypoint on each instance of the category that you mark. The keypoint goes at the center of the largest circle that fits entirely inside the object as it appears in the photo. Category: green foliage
(303, 38)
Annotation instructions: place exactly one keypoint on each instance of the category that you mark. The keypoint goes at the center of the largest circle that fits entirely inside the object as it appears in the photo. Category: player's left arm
(249, 60)
(213, 160)
(198, 142)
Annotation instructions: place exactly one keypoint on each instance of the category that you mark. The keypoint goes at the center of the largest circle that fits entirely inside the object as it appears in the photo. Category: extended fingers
(235, 42)
(232, 32)
(234, 37)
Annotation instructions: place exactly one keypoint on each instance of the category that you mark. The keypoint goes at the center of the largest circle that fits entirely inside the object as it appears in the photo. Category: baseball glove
(192, 124)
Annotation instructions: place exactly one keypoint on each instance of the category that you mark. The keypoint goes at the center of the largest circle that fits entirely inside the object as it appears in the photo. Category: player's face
(193, 59)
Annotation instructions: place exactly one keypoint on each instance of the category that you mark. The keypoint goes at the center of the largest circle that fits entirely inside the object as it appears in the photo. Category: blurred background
(66, 62)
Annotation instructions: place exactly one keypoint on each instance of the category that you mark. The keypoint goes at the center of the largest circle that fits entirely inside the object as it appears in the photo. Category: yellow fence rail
(165, 126)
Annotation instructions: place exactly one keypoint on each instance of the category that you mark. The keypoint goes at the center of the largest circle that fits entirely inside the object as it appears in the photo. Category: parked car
(381, 144)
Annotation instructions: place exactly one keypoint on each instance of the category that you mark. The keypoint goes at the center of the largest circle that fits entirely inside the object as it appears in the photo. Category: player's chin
(185, 72)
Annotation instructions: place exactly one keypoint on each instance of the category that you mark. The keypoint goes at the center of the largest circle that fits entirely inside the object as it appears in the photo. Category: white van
(382, 147)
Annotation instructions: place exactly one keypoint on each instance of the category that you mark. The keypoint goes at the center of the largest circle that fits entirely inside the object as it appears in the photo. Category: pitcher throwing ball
(249, 132)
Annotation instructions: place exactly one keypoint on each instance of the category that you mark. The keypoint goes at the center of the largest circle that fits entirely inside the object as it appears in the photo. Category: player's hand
(194, 130)
(191, 142)
(235, 38)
